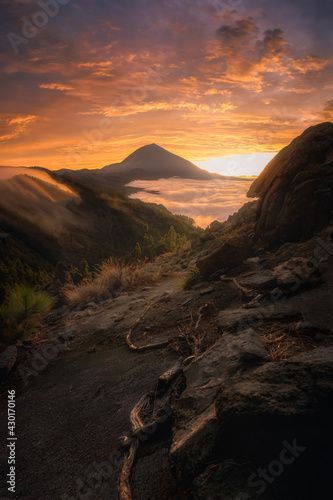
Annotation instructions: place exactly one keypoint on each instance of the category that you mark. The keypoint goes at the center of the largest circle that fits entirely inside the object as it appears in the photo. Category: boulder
(299, 271)
(196, 428)
(303, 385)
(296, 189)
(271, 437)
(193, 445)
(228, 255)
(229, 355)
(7, 361)
(277, 419)
(246, 215)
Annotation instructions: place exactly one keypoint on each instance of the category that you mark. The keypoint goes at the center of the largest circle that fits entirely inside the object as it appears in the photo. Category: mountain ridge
(149, 162)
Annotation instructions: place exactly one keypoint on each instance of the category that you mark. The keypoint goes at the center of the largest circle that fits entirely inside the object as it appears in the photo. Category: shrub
(81, 273)
(190, 278)
(22, 311)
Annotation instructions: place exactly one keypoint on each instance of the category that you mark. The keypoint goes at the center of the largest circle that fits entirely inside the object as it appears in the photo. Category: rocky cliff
(295, 190)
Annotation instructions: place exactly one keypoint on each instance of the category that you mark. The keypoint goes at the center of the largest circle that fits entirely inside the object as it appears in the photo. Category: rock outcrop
(296, 189)
(277, 418)
(302, 385)
(254, 420)
(197, 428)
(229, 254)
(265, 425)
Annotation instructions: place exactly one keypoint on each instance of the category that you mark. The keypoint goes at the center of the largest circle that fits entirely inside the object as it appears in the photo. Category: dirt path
(70, 417)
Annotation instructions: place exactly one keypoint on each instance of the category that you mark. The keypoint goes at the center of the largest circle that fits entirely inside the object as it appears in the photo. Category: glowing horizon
(248, 165)
(237, 165)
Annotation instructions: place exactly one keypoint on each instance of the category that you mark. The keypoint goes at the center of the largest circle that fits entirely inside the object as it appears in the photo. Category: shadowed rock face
(296, 189)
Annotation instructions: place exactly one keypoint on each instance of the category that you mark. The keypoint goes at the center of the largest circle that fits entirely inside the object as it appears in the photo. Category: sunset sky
(201, 78)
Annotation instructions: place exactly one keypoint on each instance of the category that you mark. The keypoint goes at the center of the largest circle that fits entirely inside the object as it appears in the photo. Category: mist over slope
(74, 220)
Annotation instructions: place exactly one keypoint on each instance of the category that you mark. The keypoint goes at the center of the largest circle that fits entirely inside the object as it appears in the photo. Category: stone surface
(260, 280)
(196, 426)
(302, 385)
(296, 189)
(192, 446)
(207, 291)
(249, 318)
(203, 376)
(279, 410)
(230, 254)
(299, 271)
(69, 334)
(314, 306)
(7, 361)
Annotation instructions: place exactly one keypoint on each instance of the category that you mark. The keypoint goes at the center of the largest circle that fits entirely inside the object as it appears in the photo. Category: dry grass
(283, 341)
(112, 276)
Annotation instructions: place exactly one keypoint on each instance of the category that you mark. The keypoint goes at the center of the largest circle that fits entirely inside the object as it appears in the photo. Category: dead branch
(200, 315)
(245, 291)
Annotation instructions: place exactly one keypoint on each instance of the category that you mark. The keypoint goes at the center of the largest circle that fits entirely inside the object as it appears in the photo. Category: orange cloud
(310, 63)
(197, 83)
(55, 86)
(17, 126)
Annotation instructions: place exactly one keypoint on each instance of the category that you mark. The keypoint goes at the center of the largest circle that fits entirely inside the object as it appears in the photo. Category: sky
(83, 84)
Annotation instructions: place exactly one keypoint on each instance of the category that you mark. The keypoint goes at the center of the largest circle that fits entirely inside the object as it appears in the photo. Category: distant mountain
(150, 162)
(153, 162)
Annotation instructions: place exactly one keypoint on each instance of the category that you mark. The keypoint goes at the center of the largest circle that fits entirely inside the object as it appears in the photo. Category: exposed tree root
(141, 431)
(157, 402)
(124, 481)
(200, 315)
(147, 347)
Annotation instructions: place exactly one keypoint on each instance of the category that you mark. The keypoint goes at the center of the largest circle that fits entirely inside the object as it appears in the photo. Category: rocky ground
(74, 408)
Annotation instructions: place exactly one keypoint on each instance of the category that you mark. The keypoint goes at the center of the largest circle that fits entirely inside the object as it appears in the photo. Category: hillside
(46, 221)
